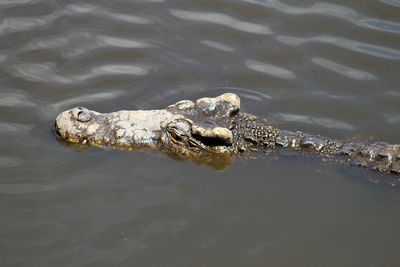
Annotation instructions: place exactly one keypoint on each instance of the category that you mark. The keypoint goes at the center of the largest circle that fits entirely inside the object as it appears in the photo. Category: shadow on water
(219, 163)
(222, 162)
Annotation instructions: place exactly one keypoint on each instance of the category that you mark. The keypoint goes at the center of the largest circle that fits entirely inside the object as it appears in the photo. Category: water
(327, 68)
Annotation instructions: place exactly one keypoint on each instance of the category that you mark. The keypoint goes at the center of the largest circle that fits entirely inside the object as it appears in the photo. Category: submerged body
(210, 126)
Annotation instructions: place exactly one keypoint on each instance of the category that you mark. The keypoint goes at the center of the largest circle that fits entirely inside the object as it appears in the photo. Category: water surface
(329, 68)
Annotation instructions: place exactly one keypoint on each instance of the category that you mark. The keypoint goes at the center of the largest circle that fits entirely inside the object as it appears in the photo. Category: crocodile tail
(381, 157)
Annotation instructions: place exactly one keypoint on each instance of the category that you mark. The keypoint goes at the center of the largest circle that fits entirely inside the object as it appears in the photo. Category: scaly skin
(378, 156)
(210, 126)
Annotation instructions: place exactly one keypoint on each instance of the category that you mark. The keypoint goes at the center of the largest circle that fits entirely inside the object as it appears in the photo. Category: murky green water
(329, 68)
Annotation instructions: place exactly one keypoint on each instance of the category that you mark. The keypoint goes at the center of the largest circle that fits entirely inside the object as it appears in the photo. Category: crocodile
(211, 126)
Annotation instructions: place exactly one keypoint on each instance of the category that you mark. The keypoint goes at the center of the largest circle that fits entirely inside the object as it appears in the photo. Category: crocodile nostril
(84, 116)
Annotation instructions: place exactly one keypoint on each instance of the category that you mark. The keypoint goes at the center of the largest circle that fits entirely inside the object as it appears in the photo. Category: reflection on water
(103, 13)
(79, 100)
(13, 128)
(325, 122)
(382, 25)
(270, 69)
(46, 73)
(20, 24)
(221, 19)
(343, 70)
(81, 43)
(328, 68)
(392, 2)
(345, 43)
(219, 46)
(217, 162)
(15, 100)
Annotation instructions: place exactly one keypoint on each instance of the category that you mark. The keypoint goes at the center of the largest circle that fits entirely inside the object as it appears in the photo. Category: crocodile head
(186, 127)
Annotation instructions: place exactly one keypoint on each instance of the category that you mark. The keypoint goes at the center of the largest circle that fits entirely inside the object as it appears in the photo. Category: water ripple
(120, 70)
(318, 8)
(392, 93)
(8, 162)
(15, 100)
(82, 42)
(76, 43)
(221, 19)
(14, 2)
(44, 73)
(392, 118)
(94, 10)
(121, 42)
(47, 73)
(343, 70)
(247, 93)
(24, 188)
(373, 50)
(395, 3)
(12, 128)
(322, 94)
(325, 122)
(11, 25)
(382, 25)
(269, 69)
(333, 10)
(96, 97)
(218, 46)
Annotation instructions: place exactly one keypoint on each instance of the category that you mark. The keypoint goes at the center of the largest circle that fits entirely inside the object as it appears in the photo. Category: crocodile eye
(179, 130)
(177, 136)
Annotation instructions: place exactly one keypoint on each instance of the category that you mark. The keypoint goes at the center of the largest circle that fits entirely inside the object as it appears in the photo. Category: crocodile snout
(74, 124)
